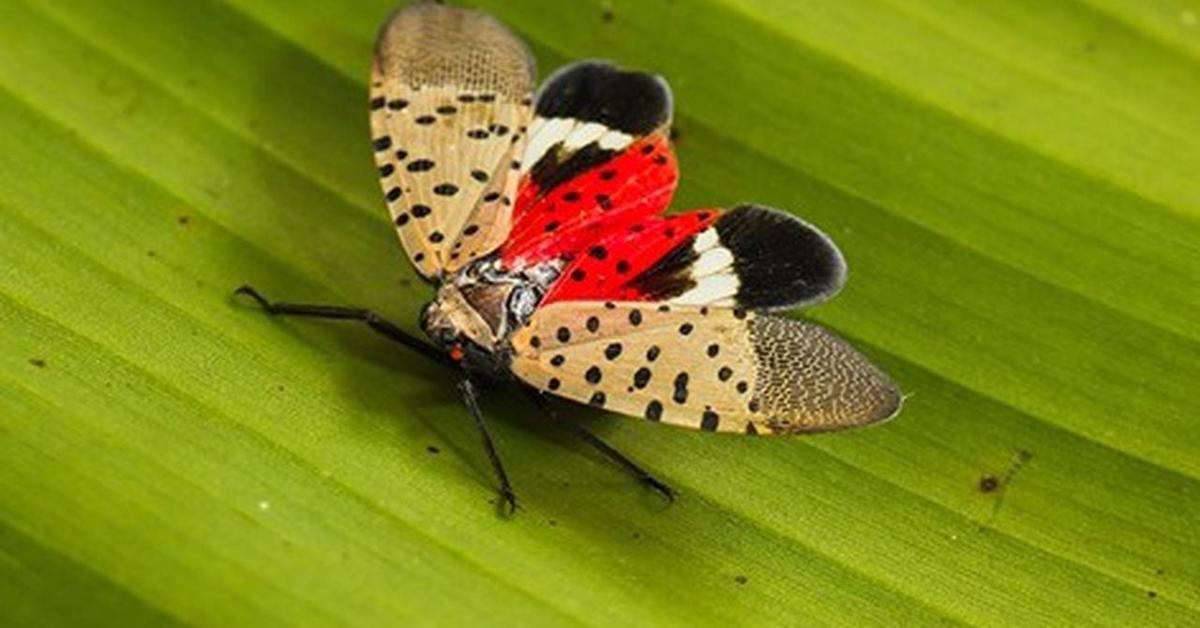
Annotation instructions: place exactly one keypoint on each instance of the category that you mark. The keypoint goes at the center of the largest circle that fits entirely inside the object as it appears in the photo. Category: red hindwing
(596, 205)
(607, 267)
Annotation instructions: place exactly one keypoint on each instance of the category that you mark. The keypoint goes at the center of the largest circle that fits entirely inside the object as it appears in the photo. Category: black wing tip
(782, 261)
(597, 90)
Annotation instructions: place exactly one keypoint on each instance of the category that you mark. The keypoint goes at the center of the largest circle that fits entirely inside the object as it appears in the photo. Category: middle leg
(471, 398)
(610, 452)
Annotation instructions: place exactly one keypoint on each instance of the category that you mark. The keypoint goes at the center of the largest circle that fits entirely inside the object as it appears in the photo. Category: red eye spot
(456, 353)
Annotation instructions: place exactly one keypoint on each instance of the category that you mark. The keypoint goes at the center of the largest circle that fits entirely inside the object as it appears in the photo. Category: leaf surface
(1013, 185)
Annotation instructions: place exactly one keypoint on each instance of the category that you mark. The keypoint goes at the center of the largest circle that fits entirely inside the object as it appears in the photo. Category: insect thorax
(485, 303)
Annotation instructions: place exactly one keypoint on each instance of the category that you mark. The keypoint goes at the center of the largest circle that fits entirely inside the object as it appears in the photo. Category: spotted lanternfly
(540, 219)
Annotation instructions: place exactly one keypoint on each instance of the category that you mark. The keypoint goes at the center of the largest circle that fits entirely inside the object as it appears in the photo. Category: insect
(540, 219)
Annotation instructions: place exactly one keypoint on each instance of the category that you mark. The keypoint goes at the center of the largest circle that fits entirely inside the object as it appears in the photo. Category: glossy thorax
(478, 308)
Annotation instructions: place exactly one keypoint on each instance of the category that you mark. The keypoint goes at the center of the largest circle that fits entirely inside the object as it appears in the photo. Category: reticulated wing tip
(427, 43)
(810, 380)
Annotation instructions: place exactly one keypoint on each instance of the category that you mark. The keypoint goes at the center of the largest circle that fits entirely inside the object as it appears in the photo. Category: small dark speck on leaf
(279, 388)
(990, 483)
(184, 220)
(433, 449)
(740, 579)
(38, 362)
(1160, 571)
(637, 535)
(151, 254)
(607, 14)
(553, 522)
(1152, 594)
(999, 485)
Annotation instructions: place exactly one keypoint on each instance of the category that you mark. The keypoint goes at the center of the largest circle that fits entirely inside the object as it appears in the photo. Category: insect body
(541, 219)
(478, 308)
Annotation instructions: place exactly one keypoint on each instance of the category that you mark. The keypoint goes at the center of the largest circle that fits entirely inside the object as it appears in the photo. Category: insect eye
(522, 301)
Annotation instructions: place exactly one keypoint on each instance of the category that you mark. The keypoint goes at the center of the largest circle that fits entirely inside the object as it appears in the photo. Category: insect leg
(470, 396)
(630, 467)
(373, 320)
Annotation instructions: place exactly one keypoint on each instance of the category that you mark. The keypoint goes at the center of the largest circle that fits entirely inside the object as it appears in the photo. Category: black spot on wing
(780, 261)
(631, 102)
(680, 395)
(642, 377)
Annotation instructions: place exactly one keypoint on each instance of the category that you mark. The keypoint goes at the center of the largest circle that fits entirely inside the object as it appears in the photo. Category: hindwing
(598, 161)
(749, 256)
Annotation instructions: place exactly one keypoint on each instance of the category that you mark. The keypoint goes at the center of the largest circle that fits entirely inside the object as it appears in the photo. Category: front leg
(376, 322)
(393, 332)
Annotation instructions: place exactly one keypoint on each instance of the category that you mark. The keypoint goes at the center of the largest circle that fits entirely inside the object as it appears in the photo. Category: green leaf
(1014, 184)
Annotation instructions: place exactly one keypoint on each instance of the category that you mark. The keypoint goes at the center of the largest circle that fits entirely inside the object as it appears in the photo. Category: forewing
(451, 95)
(749, 256)
(706, 368)
(598, 161)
